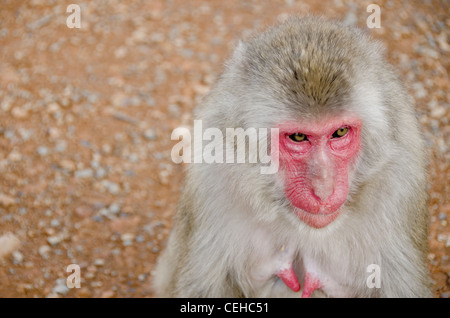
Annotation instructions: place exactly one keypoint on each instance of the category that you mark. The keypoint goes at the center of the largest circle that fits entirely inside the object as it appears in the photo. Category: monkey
(350, 191)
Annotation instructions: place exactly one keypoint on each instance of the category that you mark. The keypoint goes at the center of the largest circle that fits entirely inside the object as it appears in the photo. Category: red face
(316, 158)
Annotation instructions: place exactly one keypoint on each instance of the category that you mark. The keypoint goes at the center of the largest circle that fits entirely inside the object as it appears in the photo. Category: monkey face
(317, 158)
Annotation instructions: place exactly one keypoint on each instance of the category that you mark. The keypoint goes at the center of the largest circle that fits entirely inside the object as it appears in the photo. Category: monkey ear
(239, 50)
(238, 55)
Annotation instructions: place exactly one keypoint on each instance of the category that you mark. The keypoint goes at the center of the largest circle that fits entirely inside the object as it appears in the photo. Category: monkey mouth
(317, 220)
(315, 212)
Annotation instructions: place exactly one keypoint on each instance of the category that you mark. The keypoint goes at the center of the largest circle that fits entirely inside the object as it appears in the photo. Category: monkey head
(322, 91)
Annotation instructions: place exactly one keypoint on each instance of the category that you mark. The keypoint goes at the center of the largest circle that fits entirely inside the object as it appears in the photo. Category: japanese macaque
(350, 192)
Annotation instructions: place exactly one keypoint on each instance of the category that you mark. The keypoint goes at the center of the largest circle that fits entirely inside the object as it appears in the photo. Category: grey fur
(232, 220)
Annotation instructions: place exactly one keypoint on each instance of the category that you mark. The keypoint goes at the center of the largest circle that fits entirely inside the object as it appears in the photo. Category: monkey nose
(323, 188)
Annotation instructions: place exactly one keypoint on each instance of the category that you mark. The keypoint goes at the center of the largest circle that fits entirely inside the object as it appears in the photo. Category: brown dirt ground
(86, 116)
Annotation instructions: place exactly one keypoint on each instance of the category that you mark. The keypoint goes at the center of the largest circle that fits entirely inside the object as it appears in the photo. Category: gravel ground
(86, 116)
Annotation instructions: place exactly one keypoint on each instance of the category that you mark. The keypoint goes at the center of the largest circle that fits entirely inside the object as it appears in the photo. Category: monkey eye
(341, 132)
(298, 137)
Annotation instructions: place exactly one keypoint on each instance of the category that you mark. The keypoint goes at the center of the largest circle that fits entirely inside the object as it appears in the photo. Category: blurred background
(86, 116)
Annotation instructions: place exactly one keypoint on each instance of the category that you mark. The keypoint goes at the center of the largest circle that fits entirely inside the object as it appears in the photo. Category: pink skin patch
(311, 284)
(287, 275)
(317, 168)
